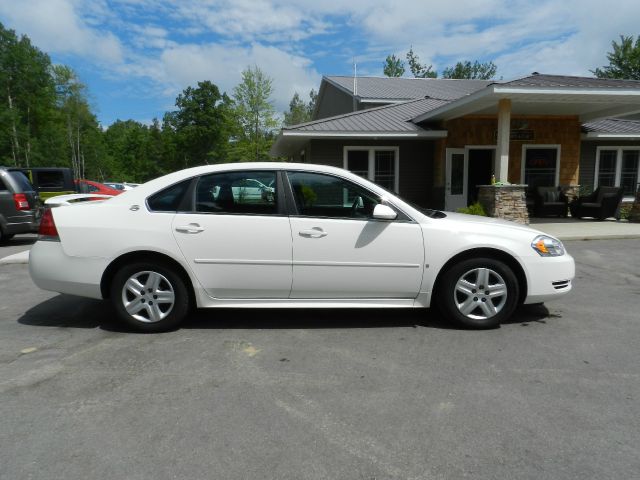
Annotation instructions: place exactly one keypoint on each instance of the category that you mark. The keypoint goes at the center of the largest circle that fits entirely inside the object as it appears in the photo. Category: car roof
(143, 191)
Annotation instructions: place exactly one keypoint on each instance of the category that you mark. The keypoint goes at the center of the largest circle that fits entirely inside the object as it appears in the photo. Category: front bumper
(549, 278)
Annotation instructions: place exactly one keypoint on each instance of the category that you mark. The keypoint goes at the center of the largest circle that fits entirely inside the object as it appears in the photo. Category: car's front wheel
(478, 293)
(150, 297)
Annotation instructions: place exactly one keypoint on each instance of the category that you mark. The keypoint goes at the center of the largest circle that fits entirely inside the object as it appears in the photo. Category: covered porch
(526, 133)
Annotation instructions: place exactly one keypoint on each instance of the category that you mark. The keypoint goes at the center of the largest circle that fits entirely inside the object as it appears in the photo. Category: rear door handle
(191, 228)
(315, 232)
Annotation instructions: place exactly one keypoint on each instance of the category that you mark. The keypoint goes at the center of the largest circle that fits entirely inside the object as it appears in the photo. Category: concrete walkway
(562, 228)
(574, 229)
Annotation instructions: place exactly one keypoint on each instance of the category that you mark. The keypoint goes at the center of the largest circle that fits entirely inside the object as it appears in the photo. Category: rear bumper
(51, 269)
(549, 277)
(29, 222)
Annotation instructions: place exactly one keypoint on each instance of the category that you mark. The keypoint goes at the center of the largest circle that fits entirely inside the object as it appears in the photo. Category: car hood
(462, 221)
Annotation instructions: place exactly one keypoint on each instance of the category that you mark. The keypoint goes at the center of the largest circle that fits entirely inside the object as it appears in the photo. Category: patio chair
(602, 203)
(550, 201)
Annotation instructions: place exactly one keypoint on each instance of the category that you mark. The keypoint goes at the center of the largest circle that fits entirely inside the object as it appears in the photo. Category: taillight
(48, 230)
(20, 199)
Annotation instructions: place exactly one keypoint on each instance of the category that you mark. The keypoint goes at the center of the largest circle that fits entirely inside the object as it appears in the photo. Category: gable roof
(388, 118)
(538, 94)
(565, 81)
(611, 128)
(399, 88)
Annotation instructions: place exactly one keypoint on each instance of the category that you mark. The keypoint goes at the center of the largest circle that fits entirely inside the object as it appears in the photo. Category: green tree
(200, 125)
(27, 100)
(300, 112)
(624, 60)
(419, 70)
(80, 124)
(468, 70)
(255, 115)
(393, 66)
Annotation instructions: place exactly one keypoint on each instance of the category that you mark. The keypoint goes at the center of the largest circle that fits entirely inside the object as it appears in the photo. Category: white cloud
(55, 26)
(185, 65)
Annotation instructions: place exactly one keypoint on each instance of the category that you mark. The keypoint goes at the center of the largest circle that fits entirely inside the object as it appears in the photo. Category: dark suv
(20, 206)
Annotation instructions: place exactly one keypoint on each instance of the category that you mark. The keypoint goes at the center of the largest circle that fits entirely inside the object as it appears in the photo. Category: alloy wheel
(480, 293)
(148, 296)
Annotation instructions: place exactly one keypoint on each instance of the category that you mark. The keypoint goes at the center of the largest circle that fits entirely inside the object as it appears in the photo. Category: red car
(89, 186)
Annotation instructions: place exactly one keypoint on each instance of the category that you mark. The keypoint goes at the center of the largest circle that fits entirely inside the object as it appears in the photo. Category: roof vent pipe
(355, 85)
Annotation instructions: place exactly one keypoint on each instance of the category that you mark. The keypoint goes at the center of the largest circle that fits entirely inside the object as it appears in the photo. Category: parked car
(20, 206)
(89, 186)
(49, 181)
(121, 185)
(325, 238)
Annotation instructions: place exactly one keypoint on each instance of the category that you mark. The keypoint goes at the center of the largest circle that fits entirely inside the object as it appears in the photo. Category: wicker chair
(550, 201)
(602, 203)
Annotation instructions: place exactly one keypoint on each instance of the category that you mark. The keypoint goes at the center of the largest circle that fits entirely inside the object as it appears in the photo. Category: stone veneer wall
(504, 201)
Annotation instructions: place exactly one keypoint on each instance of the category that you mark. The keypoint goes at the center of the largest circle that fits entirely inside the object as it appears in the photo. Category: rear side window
(169, 199)
(50, 180)
(22, 181)
(244, 192)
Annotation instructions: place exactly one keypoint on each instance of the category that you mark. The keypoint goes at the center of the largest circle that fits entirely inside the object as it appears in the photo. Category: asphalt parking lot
(332, 394)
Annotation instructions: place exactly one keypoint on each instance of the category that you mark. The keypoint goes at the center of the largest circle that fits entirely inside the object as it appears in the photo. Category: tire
(150, 297)
(4, 237)
(461, 300)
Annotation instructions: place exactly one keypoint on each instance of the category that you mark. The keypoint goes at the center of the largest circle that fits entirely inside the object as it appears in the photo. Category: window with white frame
(618, 167)
(540, 166)
(378, 164)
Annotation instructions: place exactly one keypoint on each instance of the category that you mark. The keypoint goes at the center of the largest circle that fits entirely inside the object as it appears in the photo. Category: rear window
(22, 181)
(50, 180)
(168, 200)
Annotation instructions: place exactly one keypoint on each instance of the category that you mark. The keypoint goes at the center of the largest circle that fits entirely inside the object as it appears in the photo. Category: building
(434, 141)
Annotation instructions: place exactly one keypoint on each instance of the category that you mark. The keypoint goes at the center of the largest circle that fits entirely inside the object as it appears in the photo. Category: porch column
(504, 130)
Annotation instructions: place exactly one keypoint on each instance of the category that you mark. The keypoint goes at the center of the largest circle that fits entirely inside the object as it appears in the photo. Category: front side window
(378, 164)
(319, 195)
(244, 192)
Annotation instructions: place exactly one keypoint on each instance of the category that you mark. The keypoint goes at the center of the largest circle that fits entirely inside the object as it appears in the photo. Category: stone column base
(634, 214)
(504, 201)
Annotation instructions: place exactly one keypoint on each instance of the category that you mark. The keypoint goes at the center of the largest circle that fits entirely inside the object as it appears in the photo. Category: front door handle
(315, 232)
(191, 228)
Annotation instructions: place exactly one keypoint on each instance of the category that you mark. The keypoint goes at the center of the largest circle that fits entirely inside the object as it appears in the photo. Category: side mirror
(384, 212)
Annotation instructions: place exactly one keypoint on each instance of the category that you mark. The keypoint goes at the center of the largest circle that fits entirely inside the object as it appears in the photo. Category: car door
(237, 243)
(340, 251)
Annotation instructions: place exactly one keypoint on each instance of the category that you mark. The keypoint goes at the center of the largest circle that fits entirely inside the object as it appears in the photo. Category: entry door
(457, 166)
(340, 251)
(237, 242)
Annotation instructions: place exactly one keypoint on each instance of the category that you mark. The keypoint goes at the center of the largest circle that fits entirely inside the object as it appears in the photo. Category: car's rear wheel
(478, 293)
(150, 297)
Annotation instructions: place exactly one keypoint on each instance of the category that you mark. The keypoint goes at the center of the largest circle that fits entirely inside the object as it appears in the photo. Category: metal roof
(613, 126)
(389, 118)
(564, 81)
(399, 88)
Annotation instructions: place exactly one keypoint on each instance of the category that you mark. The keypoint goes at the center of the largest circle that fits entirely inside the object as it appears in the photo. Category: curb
(16, 258)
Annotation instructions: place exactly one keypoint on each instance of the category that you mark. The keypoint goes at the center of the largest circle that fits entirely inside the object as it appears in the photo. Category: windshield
(429, 212)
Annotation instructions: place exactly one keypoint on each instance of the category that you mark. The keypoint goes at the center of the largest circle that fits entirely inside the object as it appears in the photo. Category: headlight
(547, 246)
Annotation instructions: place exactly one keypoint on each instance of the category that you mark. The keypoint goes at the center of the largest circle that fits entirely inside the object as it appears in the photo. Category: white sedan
(323, 237)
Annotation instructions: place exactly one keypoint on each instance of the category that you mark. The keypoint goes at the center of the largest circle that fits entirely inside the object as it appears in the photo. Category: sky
(136, 56)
